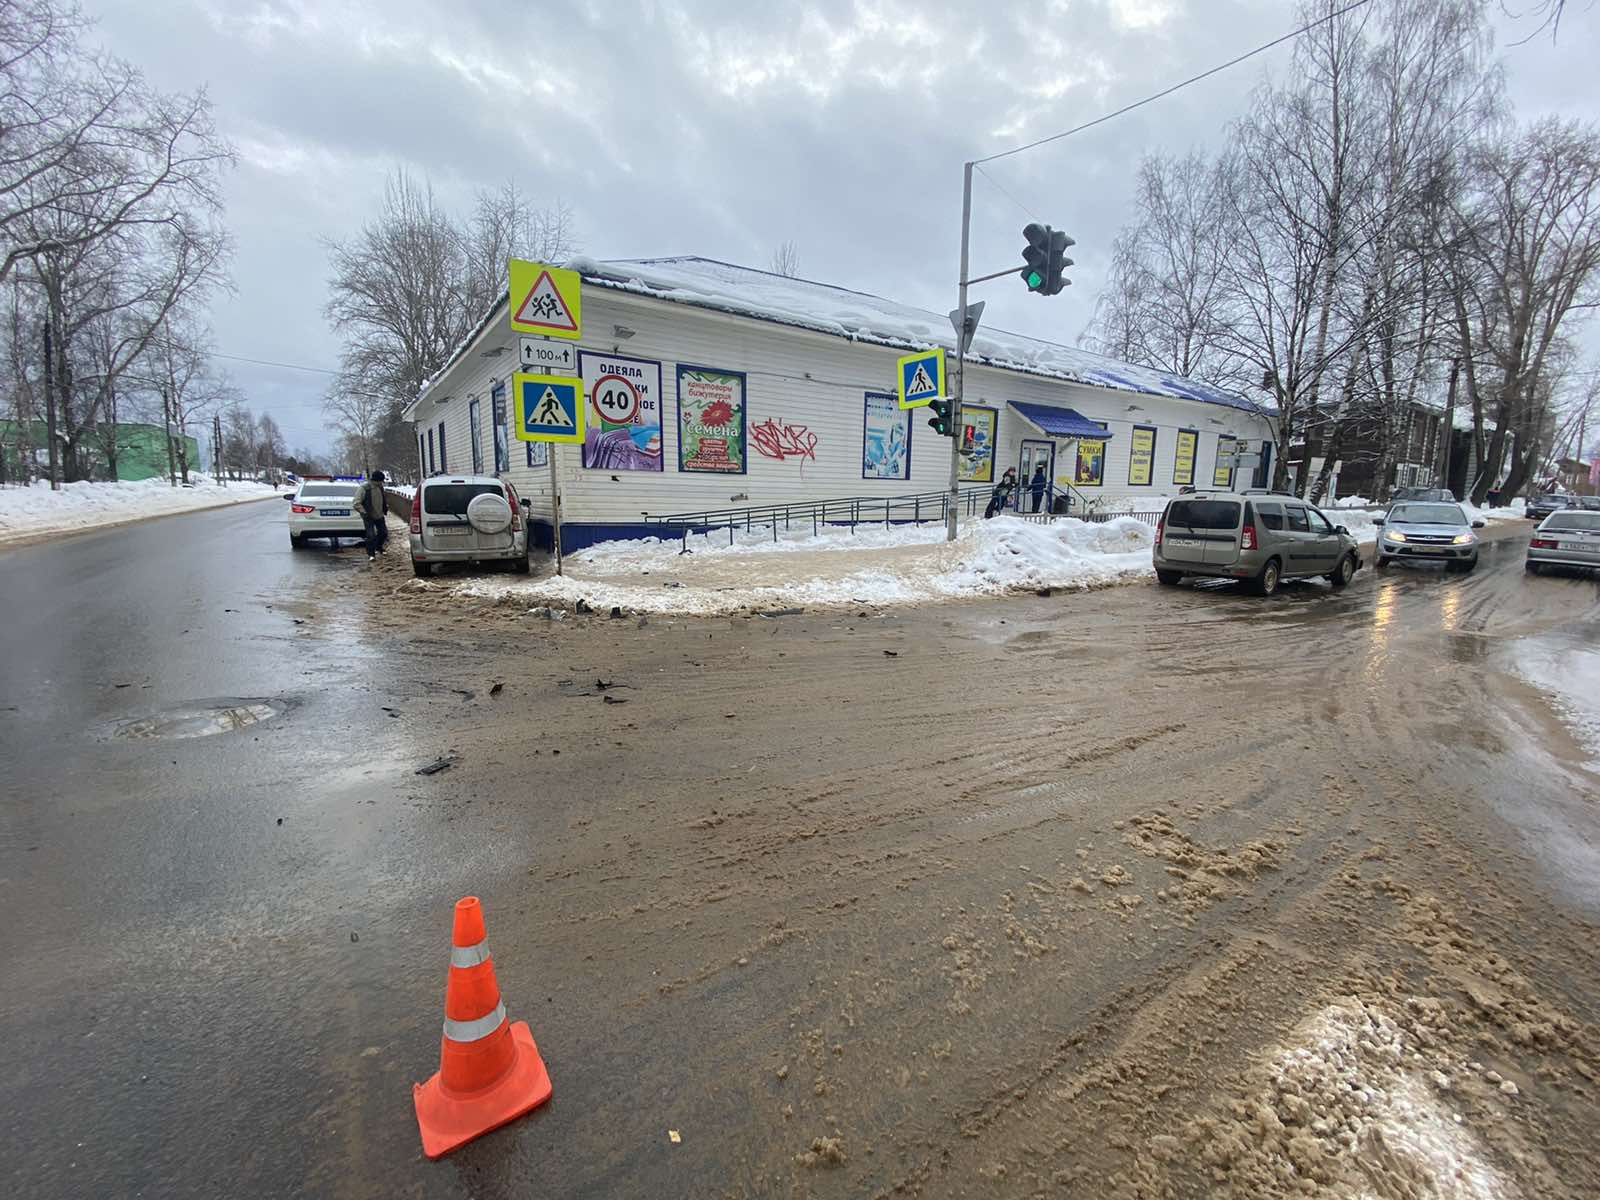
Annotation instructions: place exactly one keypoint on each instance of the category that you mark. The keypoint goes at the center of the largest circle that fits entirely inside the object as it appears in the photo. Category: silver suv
(1262, 538)
(468, 518)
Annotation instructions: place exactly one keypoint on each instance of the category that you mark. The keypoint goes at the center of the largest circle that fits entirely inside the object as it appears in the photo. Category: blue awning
(1061, 422)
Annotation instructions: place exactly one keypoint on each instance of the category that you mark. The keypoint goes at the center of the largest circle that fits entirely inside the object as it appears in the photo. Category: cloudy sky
(719, 128)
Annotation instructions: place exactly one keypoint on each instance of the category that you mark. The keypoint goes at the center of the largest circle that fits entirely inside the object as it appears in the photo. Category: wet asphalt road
(225, 967)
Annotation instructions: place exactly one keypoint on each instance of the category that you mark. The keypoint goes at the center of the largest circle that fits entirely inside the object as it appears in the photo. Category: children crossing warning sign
(547, 300)
(549, 408)
(921, 378)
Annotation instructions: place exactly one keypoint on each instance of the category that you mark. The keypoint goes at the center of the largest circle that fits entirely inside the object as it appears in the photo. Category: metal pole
(555, 508)
(961, 358)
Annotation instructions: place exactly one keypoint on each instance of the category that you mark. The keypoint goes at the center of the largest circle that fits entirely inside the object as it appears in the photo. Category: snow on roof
(707, 283)
(860, 316)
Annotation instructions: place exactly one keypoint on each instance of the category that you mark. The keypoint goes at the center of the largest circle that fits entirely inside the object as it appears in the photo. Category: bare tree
(1162, 304)
(239, 433)
(361, 417)
(786, 260)
(506, 225)
(87, 147)
(1527, 257)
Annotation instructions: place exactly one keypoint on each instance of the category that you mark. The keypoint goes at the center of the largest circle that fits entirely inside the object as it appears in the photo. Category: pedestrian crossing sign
(921, 378)
(546, 300)
(549, 408)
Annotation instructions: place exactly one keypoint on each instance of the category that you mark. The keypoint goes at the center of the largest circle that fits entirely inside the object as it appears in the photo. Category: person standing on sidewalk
(370, 504)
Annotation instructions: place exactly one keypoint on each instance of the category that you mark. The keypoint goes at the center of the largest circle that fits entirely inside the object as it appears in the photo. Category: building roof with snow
(861, 317)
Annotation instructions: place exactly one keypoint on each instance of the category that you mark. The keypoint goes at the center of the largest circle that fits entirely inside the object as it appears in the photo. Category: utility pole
(166, 434)
(216, 449)
(961, 360)
(50, 405)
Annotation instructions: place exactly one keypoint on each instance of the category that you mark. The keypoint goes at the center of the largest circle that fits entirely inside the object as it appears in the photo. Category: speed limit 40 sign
(622, 403)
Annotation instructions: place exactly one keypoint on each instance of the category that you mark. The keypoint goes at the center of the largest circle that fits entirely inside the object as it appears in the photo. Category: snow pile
(905, 564)
(1564, 665)
(35, 510)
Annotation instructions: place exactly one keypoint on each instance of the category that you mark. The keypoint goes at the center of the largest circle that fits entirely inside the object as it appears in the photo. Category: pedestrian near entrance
(1002, 491)
(370, 504)
(1037, 485)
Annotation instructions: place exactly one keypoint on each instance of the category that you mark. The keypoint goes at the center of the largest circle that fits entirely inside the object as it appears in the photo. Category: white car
(324, 508)
(468, 519)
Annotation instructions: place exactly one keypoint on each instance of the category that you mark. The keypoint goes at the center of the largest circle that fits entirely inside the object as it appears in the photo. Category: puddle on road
(200, 719)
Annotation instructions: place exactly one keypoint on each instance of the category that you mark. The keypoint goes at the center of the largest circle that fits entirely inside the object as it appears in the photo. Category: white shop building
(710, 387)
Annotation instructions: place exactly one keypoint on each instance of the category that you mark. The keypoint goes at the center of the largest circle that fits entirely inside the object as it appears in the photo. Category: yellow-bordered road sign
(549, 408)
(921, 378)
(547, 300)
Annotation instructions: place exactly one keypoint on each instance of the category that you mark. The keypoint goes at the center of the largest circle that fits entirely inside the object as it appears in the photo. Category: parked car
(1422, 493)
(1568, 538)
(1587, 504)
(1541, 507)
(1260, 538)
(324, 509)
(468, 518)
(1425, 532)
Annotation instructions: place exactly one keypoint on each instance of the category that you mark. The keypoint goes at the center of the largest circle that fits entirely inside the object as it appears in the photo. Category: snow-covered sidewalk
(29, 512)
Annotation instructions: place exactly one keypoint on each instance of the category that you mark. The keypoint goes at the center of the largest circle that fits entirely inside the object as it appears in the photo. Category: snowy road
(1133, 893)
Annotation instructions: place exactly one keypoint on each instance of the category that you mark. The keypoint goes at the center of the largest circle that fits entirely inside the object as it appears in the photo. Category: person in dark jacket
(370, 504)
(1037, 485)
(1002, 492)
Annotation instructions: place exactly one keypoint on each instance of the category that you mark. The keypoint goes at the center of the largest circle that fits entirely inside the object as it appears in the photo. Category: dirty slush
(1049, 897)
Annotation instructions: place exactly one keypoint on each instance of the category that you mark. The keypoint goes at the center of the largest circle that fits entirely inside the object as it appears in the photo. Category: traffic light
(939, 417)
(1054, 280)
(1046, 259)
(1037, 255)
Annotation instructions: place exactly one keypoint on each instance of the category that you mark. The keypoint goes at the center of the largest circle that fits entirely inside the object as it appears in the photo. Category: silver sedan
(1568, 538)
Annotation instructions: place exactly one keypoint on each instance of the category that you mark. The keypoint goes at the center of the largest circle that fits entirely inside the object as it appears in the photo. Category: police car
(323, 506)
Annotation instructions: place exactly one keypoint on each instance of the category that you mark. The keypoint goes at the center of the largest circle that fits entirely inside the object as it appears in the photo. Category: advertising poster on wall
(885, 438)
(711, 421)
(1222, 476)
(1142, 456)
(538, 453)
(623, 418)
(1091, 463)
(977, 453)
(1183, 462)
(497, 416)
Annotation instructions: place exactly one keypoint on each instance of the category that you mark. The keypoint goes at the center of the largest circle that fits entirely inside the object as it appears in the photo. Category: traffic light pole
(956, 425)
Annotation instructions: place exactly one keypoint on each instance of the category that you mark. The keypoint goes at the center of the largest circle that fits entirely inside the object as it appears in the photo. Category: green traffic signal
(939, 417)
(1034, 279)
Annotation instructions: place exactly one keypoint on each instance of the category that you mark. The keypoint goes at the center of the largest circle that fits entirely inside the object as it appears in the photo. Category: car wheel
(1380, 563)
(1168, 578)
(1532, 567)
(1266, 583)
(519, 565)
(422, 569)
(297, 541)
(1344, 572)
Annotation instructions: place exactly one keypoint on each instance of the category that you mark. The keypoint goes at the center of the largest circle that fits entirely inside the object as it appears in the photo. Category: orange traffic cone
(490, 1072)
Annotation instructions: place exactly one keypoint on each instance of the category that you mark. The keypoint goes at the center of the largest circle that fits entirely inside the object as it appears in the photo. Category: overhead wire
(1165, 92)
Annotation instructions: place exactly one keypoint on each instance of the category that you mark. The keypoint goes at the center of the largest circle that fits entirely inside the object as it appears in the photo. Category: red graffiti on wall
(785, 441)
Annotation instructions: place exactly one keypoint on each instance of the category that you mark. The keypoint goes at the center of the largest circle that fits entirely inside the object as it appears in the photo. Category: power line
(1128, 108)
(264, 362)
(1005, 193)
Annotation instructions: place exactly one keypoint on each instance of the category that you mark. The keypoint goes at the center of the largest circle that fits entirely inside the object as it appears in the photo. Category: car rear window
(451, 499)
(328, 491)
(1573, 520)
(1204, 514)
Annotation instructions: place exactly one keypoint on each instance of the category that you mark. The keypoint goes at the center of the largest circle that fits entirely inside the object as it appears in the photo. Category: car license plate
(333, 512)
(453, 530)
(1579, 547)
(1189, 543)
